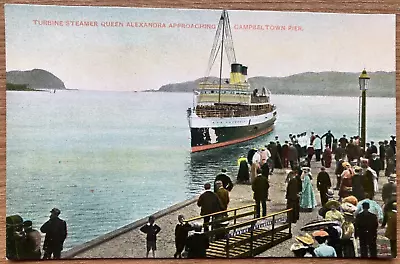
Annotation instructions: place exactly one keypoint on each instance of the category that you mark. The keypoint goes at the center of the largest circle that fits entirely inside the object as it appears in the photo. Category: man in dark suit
(293, 197)
(285, 154)
(56, 233)
(374, 148)
(392, 144)
(366, 229)
(209, 203)
(329, 138)
(382, 155)
(197, 244)
(375, 163)
(323, 184)
(225, 179)
(260, 188)
(223, 195)
(293, 156)
(343, 142)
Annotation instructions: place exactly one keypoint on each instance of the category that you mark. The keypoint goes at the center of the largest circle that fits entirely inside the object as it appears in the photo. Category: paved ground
(132, 244)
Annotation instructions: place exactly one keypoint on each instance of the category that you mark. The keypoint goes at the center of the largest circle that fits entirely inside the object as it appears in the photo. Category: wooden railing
(252, 237)
(216, 219)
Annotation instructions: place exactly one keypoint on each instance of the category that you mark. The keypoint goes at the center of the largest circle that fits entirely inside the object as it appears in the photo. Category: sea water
(106, 159)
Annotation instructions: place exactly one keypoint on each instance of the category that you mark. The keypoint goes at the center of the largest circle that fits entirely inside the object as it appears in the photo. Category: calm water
(107, 159)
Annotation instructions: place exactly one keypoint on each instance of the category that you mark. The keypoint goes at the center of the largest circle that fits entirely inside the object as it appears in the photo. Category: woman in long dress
(307, 200)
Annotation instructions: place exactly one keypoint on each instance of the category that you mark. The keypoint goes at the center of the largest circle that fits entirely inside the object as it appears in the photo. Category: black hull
(224, 136)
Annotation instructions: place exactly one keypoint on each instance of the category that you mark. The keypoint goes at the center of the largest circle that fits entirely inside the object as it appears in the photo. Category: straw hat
(351, 199)
(348, 207)
(320, 233)
(297, 246)
(306, 239)
(331, 203)
(345, 164)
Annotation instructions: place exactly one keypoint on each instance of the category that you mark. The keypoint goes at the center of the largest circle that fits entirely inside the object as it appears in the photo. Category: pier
(129, 242)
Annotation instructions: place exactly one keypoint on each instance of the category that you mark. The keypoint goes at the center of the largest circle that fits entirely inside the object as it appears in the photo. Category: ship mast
(222, 53)
(222, 44)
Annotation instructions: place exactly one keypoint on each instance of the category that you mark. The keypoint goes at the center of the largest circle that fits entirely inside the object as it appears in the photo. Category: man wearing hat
(370, 183)
(343, 142)
(374, 148)
(293, 156)
(392, 144)
(366, 228)
(323, 184)
(329, 138)
(357, 184)
(250, 155)
(390, 219)
(382, 154)
(390, 159)
(389, 189)
(197, 243)
(32, 241)
(375, 163)
(56, 232)
(225, 179)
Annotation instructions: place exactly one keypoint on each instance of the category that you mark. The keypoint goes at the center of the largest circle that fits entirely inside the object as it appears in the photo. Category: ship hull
(205, 138)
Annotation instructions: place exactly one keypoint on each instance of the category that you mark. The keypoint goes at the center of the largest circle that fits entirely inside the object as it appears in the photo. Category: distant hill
(382, 84)
(35, 79)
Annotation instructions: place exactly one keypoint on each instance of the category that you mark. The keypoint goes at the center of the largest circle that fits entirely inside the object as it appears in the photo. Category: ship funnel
(236, 73)
(244, 73)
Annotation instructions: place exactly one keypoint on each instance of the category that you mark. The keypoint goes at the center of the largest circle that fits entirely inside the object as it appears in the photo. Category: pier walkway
(129, 242)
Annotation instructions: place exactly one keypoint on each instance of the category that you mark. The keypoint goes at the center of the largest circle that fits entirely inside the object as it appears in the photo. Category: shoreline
(303, 95)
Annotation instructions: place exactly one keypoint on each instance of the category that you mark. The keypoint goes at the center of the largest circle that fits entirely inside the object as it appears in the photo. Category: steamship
(228, 111)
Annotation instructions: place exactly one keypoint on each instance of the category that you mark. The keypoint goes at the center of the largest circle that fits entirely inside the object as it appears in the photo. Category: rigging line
(215, 43)
(228, 49)
(213, 60)
(216, 54)
(228, 44)
(229, 32)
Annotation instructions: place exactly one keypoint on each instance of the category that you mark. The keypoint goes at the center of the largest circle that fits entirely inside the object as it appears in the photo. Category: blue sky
(129, 58)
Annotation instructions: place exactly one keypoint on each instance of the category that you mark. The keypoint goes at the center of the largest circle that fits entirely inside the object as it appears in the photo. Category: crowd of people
(354, 214)
(23, 242)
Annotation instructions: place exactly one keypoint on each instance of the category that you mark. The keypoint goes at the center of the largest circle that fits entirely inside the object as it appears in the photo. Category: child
(323, 250)
(181, 234)
(151, 230)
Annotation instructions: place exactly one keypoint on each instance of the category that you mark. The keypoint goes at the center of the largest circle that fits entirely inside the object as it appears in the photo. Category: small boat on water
(228, 111)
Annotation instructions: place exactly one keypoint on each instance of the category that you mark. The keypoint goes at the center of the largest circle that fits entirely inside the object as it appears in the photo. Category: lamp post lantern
(363, 81)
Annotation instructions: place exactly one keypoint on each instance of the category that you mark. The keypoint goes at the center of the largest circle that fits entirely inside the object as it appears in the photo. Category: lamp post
(363, 81)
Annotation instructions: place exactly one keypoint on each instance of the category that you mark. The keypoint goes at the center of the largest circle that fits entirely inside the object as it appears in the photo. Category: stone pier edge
(108, 236)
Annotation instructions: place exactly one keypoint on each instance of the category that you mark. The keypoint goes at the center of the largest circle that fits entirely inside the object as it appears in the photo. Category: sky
(104, 55)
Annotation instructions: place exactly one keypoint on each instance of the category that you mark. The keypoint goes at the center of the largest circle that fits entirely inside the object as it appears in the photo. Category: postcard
(189, 133)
